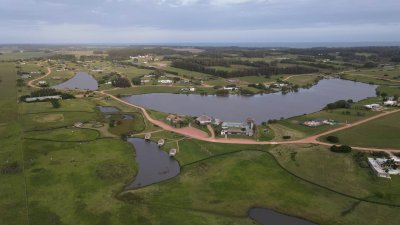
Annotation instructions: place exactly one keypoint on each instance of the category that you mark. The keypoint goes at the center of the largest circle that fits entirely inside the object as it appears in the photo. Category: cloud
(209, 19)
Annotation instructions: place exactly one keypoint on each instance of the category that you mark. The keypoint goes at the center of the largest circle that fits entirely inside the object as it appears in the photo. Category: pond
(269, 217)
(154, 165)
(108, 109)
(81, 80)
(259, 107)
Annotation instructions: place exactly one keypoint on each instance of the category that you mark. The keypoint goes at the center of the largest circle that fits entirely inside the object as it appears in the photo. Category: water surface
(154, 165)
(81, 80)
(269, 217)
(108, 109)
(259, 107)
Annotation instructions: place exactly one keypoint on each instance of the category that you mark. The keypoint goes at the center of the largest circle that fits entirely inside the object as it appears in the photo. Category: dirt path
(31, 82)
(201, 135)
(209, 127)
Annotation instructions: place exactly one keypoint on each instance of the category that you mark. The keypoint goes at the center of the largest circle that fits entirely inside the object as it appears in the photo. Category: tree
(55, 103)
(136, 81)
(332, 139)
(120, 82)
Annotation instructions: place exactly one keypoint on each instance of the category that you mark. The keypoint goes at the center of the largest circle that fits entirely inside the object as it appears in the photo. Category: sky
(198, 21)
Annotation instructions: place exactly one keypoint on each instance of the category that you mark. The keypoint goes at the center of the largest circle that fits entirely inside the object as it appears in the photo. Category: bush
(380, 154)
(286, 137)
(341, 149)
(55, 103)
(332, 139)
(11, 168)
(341, 104)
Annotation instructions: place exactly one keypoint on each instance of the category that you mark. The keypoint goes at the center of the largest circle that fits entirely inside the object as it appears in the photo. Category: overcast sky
(190, 21)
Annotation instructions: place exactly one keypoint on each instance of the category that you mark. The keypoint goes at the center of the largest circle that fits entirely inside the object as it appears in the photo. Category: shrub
(286, 137)
(380, 154)
(11, 168)
(55, 103)
(332, 139)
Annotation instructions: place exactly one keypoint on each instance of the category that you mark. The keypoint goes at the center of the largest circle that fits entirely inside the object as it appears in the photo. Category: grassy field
(13, 208)
(228, 185)
(380, 133)
(389, 90)
(75, 183)
(382, 76)
(23, 55)
(64, 134)
(338, 115)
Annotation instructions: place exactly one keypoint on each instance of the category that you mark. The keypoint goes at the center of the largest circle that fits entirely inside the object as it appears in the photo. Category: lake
(154, 165)
(259, 107)
(81, 80)
(269, 217)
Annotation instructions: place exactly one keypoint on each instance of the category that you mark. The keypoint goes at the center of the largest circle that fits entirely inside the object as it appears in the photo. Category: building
(42, 83)
(390, 103)
(43, 98)
(233, 128)
(165, 81)
(312, 123)
(374, 106)
(204, 119)
(383, 167)
(230, 88)
(174, 119)
(187, 89)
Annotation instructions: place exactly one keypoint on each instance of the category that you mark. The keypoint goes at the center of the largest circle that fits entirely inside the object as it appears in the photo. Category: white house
(372, 106)
(229, 88)
(42, 82)
(165, 81)
(390, 103)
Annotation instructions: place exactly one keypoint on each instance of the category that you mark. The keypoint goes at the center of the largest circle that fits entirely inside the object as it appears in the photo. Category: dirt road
(31, 82)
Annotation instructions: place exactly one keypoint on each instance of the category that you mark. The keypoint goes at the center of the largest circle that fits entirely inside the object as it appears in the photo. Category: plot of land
(381, 133)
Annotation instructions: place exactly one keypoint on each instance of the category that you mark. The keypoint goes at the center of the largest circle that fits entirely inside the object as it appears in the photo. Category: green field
(338, 115)
(380, 133)
(227, 185)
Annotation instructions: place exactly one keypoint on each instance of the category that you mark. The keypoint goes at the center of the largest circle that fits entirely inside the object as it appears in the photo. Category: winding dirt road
(31, 82)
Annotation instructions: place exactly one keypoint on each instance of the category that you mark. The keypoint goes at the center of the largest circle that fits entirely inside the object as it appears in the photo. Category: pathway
(31, 82)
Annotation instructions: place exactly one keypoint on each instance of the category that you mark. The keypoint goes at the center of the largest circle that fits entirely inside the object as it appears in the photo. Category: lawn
(64, 134)
(12, 186)
(338, 115)
(389, 90)
(337, 171)
(75, 183)
(228, 185)
(380, 133)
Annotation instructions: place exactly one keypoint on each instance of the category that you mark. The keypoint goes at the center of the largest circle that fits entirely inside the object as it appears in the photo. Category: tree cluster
(120, 82)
